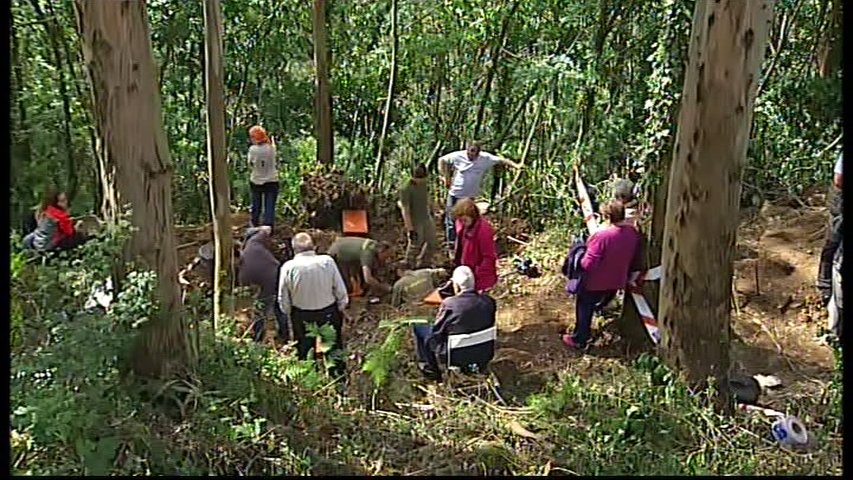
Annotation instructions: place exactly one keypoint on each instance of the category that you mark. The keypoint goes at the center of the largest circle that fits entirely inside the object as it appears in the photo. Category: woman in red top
(475, 244)
(55, 230)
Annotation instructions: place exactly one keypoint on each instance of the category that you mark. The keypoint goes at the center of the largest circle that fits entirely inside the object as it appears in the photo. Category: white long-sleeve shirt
(468, 175)
(311, 282)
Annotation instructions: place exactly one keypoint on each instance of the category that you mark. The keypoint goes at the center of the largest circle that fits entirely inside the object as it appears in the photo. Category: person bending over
(359, 258)
(259, 268)
(414, 206)
(54, 227)
(465, 312)
(468, 168)
(312, 291)
(415, 285)
(475, 244)
(610, 253)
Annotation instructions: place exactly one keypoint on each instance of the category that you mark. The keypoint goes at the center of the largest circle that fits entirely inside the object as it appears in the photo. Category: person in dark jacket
(259, 268)
(465, 312)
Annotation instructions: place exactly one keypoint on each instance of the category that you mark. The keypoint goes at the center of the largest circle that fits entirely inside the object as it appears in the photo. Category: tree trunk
(21, 151)
(727, 46)
(323, 93)
(220, 196)
(389, 101)
(117, 50)
(829, 55)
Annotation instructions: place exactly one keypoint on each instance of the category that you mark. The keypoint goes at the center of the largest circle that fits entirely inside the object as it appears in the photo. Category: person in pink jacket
(610, 254)
(475, 244)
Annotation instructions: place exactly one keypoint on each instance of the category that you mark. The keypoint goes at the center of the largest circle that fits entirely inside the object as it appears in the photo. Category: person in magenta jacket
(475, 244)
(610, 254)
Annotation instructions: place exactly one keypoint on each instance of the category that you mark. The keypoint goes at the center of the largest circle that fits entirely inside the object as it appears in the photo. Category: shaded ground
(776, 323)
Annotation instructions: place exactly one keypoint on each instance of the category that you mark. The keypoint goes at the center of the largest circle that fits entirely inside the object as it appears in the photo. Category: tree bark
(220, 195)
(829, 56)
(117, 50)
(727, 46)
(21, 152)
(389, 101)
(323, 93)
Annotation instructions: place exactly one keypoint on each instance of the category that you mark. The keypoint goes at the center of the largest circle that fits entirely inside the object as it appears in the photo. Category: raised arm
(445, 168)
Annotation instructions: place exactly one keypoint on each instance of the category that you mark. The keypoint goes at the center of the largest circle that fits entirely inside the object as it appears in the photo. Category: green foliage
(380, 362)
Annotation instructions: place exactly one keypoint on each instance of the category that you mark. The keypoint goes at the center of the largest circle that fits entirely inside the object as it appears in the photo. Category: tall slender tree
(323, 92)
(389, 99)
(727, 46)
(220, 193)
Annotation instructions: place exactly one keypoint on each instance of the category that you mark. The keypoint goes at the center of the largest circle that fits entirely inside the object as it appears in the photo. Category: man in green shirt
(358, 258)
(414, 205)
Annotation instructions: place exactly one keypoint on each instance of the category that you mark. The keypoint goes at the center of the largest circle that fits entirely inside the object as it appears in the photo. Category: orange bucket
(355, 222)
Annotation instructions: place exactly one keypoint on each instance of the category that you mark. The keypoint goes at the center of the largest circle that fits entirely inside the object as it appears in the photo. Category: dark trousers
(267, 304)
(586, 304)
(304, 344)
(833, 235)
(449, 229)
(263, 203)
(73, 241)
(424, 353)
(350, 271)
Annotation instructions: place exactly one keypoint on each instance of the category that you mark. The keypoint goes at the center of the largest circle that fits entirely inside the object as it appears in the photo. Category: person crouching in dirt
(259, 269)
(833, 233)
(312, 291)
(358, 259)
(475, 244)
(610, 254)
(465, 312)
(414, 206)
(415, 285)
(54, 230)
(263, 180)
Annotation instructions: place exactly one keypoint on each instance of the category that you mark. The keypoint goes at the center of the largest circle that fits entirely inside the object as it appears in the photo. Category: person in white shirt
(833, 233)
(468, 168)
(311, 290)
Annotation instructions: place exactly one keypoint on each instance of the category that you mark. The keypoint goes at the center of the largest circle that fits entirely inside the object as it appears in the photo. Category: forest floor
(776, 325)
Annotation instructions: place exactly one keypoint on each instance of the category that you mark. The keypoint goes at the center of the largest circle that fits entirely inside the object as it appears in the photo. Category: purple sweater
(610, 253)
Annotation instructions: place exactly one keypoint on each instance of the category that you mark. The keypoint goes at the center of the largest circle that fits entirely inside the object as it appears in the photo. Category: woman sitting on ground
(54, 230)
(610, 254)
(475, 244)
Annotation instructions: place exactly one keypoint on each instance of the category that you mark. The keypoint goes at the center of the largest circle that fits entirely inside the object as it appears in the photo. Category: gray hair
(302, 242)
(463, 277)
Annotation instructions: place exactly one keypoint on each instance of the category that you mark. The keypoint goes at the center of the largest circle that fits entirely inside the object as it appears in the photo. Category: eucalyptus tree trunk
(323, 93)
(117, 50)
(727, 46)
(220, 190)
(389, 100)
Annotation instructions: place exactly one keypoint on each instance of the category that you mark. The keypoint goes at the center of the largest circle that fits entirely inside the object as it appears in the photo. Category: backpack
(572, 266)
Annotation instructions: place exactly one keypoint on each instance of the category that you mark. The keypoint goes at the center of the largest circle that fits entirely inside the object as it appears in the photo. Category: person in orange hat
(263, 180)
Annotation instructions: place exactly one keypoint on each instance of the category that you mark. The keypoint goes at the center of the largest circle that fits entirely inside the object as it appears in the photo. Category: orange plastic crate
(433, 298)
(355, 222)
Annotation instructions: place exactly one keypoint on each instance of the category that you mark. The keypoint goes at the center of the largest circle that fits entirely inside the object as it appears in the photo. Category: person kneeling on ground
(259, 268)
(415, 285)
(610, 253)
(358, 259)
(312, 290)
(475, 244)
(54, 230)
(465, 312)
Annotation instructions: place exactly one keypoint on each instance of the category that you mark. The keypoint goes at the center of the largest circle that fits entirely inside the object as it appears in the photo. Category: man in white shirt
(311, 290)
(833, 233)
(468, 167)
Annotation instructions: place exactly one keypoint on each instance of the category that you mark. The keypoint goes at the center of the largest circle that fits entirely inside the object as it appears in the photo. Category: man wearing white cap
(465, 312)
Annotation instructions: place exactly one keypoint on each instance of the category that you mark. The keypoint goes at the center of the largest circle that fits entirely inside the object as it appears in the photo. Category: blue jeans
(267, 305)
(263, 202)
(449, 228)
(425, 354)
(586, 304)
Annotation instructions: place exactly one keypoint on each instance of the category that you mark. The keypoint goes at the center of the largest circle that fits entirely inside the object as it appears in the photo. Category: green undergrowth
(251, 410)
